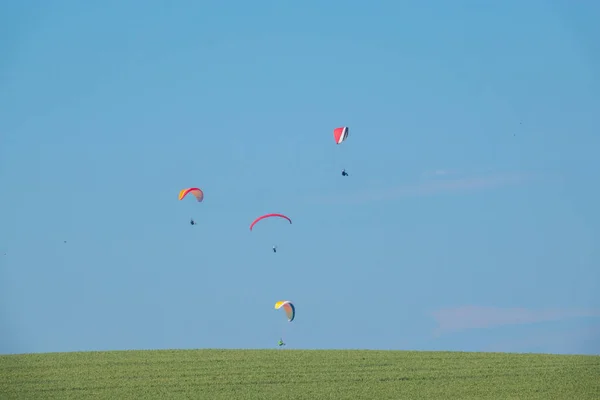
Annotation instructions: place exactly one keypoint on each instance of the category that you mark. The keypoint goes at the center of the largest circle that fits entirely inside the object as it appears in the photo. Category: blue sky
(469, 220)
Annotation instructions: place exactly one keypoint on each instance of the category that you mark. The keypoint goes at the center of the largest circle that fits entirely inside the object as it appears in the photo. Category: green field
(298, 374)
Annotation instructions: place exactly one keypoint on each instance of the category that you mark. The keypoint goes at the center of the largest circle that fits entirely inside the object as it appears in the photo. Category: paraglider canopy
(268, 216)
(290, 310)
(340, 134)
(197, 193)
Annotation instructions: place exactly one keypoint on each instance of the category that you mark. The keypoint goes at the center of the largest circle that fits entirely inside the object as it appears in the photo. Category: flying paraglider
(290, 312)
(197, 193)
(340, 135)
(269, 216)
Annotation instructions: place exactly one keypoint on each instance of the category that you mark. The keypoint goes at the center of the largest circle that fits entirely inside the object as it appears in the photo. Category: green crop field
(298, 374)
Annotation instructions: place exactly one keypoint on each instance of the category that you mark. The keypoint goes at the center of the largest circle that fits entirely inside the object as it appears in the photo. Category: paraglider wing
(198, 194)
(340, 134)
(288, 307)
(268, 216)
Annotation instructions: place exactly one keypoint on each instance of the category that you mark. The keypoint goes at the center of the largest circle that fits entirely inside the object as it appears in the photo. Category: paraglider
(197, 193)
(290, 312)
(269, 216)
(340, 135)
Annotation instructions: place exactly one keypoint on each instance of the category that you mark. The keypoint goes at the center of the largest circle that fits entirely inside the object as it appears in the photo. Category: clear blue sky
(469, 220)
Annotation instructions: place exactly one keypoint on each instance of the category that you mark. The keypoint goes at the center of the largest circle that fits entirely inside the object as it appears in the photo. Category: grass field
(298, 374)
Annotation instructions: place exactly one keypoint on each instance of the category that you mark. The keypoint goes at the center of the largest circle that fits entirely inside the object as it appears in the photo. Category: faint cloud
(582, 340)
(438, 173)
(427, 188)
(477, 317)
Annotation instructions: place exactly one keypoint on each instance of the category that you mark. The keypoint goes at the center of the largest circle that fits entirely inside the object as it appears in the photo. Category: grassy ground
(296, 374)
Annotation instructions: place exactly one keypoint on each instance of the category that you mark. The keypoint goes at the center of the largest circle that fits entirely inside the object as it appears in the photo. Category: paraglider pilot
(274, 249)
(192, 222)
(280, 343)
(344, 173)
